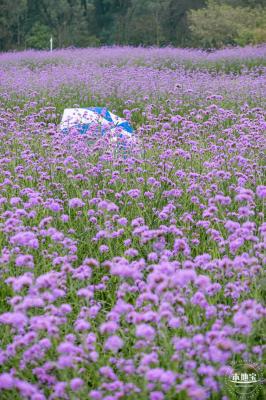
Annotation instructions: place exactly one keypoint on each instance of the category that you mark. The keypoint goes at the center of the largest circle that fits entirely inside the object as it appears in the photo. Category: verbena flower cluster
(137, 277)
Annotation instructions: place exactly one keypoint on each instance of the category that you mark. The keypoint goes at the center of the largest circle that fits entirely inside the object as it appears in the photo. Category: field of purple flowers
(138, 277)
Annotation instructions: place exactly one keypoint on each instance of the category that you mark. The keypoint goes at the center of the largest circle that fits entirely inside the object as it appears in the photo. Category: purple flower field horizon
(137, 277)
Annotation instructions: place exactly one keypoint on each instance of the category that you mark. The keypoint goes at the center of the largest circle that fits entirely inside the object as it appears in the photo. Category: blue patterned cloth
(95, 121)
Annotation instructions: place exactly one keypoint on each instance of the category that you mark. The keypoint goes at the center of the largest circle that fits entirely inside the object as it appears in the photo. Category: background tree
(175, 25)
(12, 23)
(119, 21)
(81, 23)
(145, 22)
(38, 37)
(244, 3)
(220, 24)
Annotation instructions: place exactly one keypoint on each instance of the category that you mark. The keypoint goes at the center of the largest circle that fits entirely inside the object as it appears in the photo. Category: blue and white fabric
(95, 121)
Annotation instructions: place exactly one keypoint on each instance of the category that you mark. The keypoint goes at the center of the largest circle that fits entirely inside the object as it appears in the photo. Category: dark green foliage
(175, 22)
(38, 37)
(30, 23)
(12, 23)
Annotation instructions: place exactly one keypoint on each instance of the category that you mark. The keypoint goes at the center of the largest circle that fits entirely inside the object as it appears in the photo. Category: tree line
(81, 23)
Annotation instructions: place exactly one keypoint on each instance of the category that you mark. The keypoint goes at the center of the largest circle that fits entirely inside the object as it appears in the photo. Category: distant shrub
(39, 37)
(218, 25)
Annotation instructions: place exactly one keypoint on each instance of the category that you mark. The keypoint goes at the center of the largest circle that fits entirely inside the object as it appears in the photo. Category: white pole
(51, 43)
